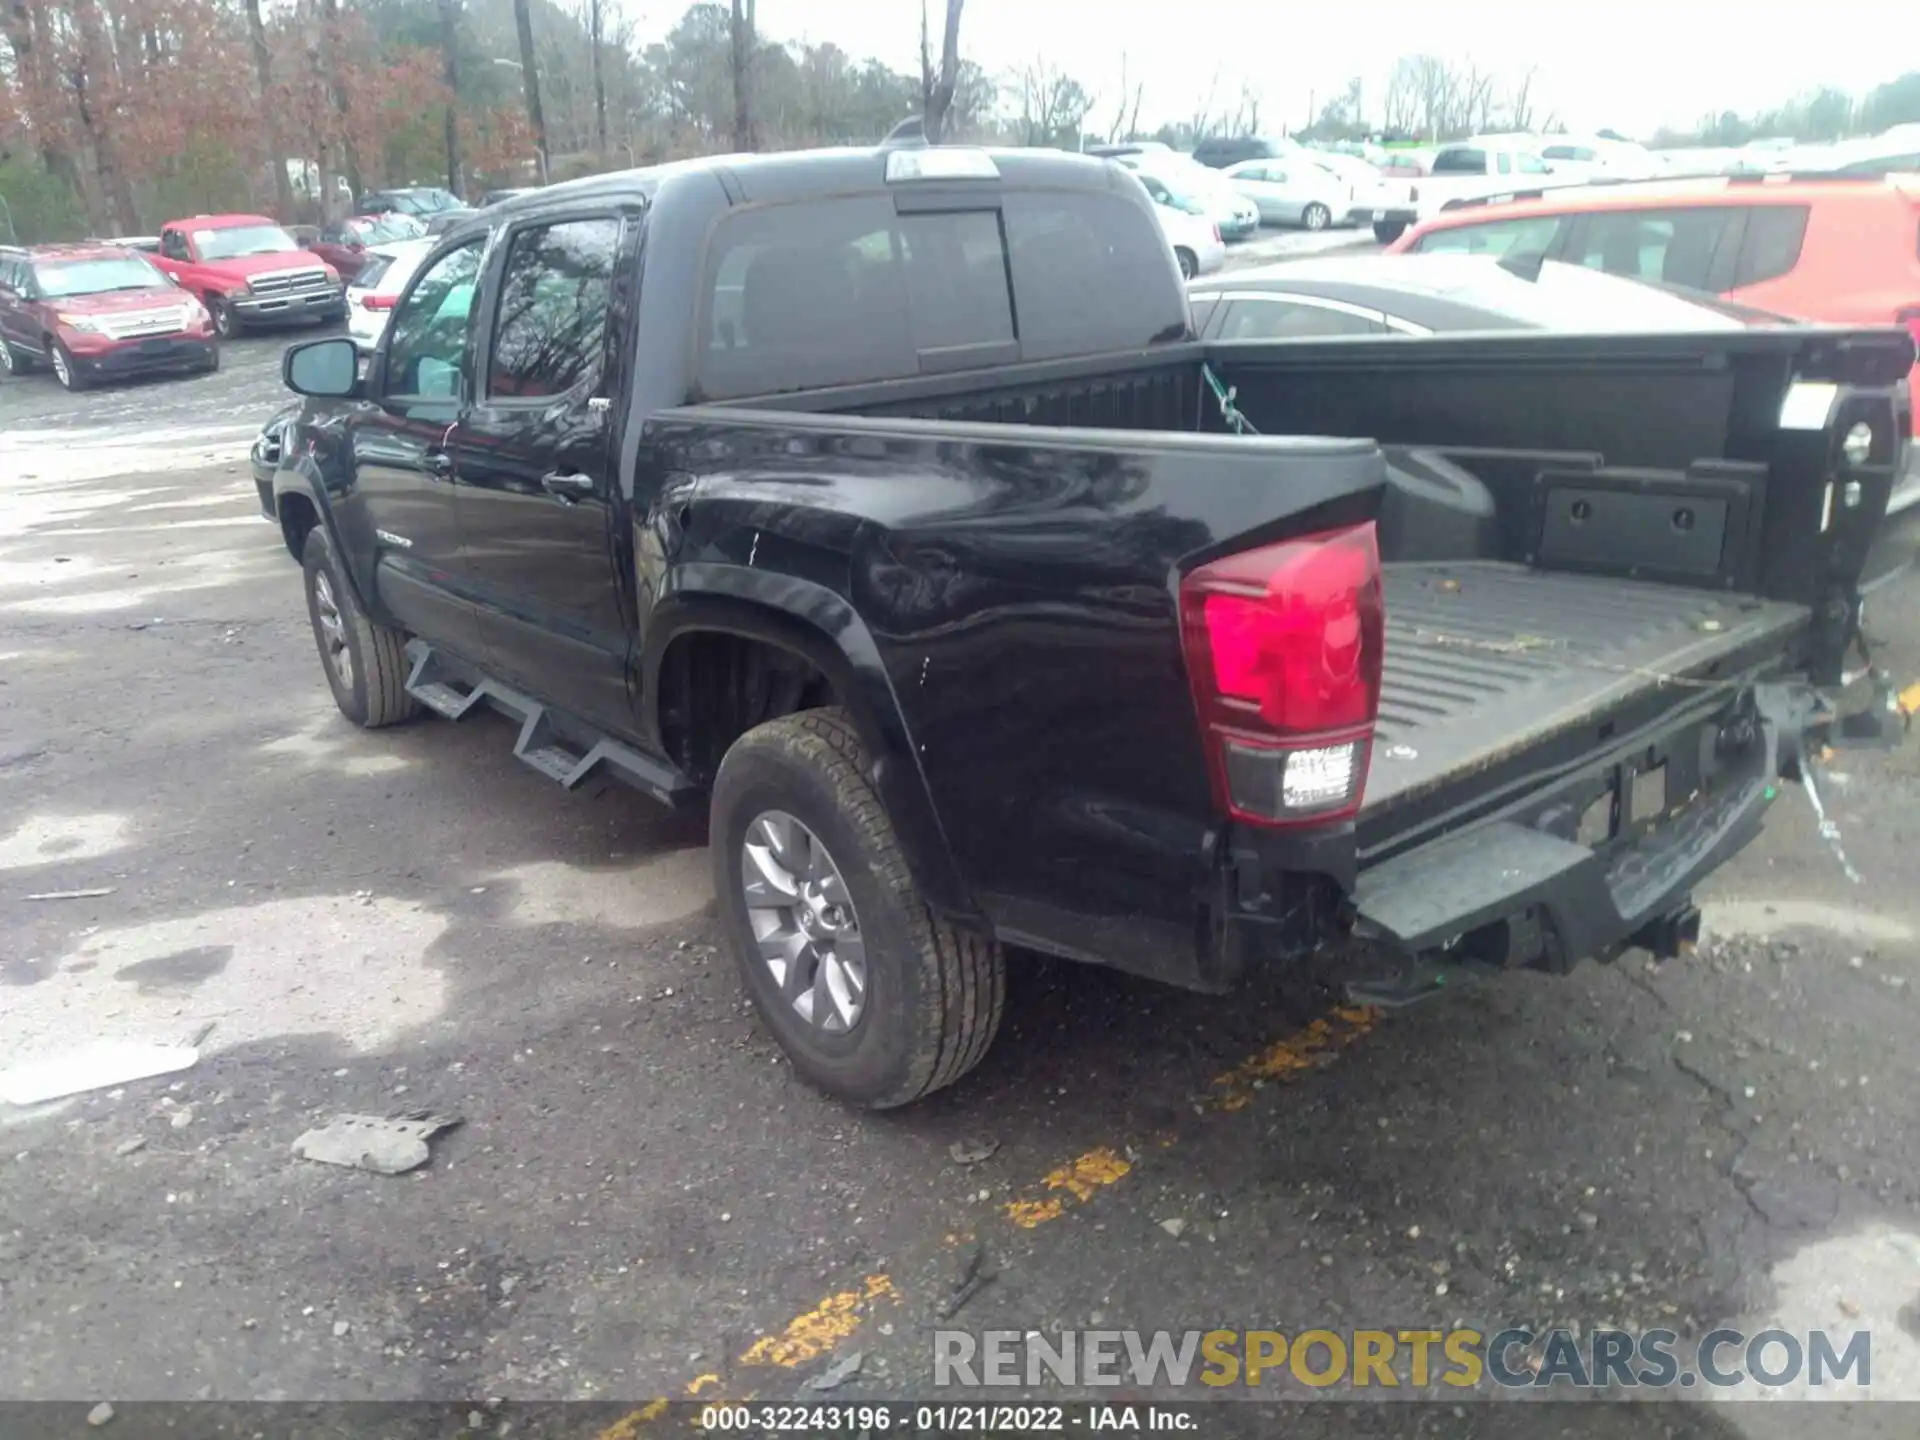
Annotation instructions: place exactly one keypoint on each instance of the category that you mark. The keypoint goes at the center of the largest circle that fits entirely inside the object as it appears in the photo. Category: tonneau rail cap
(940, 163)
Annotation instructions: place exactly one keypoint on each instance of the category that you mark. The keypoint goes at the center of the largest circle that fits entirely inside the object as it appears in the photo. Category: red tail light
(1284, 647)
(377, 302)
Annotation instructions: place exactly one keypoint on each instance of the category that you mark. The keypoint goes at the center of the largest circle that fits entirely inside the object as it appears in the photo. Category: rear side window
(1282, 317)
(841, 292)
(370, 271)
(1531, 236)
(1771, 247)
(1672, 247)
(1460, 160)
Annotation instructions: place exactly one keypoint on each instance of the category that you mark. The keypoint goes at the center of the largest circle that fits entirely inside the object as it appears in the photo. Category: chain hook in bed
(1224, 396)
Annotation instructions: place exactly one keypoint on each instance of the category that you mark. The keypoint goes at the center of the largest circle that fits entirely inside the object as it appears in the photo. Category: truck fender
(301, 501)
(814, 623)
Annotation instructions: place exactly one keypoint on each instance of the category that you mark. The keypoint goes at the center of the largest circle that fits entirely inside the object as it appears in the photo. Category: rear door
(403, 503)
(537, 472)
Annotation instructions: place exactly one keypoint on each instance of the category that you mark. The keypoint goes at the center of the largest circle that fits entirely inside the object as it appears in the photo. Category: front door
(538, 476)
(403, 509)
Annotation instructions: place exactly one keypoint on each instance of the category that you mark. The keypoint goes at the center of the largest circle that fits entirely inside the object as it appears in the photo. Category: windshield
(95, 277)
(234, 241)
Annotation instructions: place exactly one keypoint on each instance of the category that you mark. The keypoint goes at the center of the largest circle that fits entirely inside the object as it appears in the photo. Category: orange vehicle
(1816, 247)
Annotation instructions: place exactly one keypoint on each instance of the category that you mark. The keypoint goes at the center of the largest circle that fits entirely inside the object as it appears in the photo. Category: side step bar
(452, 692)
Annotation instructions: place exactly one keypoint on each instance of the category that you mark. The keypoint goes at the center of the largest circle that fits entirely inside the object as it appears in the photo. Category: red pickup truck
(247, 270)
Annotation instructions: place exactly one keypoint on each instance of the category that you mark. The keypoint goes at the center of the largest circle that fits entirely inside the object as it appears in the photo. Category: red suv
(1835, 248)
(91, 312)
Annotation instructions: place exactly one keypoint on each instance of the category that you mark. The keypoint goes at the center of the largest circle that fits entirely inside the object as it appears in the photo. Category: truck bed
(1486, 659)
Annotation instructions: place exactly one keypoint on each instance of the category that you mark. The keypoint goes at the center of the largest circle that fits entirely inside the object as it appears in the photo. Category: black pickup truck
(884, 504)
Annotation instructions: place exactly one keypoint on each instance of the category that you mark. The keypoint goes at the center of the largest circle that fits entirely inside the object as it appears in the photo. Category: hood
(113, 302)
(251, 265)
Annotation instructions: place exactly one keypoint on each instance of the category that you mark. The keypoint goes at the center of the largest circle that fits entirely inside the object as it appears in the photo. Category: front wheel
(1388, 231)
(875, 998)
(64, 370)
(1189, 262)
(1316, 217)
(365, 663)
(226, 324)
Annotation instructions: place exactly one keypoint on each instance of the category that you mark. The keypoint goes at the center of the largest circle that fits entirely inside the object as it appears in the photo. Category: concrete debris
(91, 1067)
(973, 1150)
(386, 1145)
(100, 1414)
(128, 1147)
(838, 1373)
(72, 894)
(1175, 1227)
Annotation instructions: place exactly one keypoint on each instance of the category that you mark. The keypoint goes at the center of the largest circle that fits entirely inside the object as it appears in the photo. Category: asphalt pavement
(641, 1201)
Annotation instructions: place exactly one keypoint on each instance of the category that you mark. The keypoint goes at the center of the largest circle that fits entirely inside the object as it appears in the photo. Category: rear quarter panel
(1019, 590)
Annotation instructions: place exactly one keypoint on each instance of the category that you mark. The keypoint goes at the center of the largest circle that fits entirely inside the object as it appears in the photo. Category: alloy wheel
(333, 629)
(804, 922)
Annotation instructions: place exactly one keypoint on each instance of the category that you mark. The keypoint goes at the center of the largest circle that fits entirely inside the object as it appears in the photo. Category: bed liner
(1484, 659)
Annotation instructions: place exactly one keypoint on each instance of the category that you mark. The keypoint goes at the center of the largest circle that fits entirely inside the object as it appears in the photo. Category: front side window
(427, 337)
(1532, 236)
(551, 333)
(173, 245)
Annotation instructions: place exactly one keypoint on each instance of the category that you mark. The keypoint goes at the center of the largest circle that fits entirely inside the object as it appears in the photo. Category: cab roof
(1708, 190)
(217, 222)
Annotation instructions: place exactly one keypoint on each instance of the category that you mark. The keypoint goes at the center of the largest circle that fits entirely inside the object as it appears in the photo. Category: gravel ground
(640, 1195)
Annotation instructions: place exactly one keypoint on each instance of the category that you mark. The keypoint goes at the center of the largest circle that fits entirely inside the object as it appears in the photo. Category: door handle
(568, 487)
(439, 464)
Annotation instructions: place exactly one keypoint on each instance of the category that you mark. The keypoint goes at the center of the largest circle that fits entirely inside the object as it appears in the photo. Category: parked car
(148, 243)
(345, 244)
(1416, 295)
(420, 201)
(1236, 216)
(1219, 151)
(1295, 191)
(967, 634)
(372, 293)
(1400, 164)
(1457, 174)
(1592, 158)
(1831, 248)
(96, 312)
(495, 197)
(1189, 228)
(441, 221)
(1115, 149)
(248, 271)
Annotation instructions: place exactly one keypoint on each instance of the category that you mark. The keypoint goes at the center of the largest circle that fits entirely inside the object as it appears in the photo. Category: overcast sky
(1630, 64)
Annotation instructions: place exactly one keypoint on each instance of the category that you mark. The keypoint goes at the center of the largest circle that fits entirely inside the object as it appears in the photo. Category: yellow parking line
(1076, 1180)
(627, 1427)
(819, 1329)
(1311, 1049)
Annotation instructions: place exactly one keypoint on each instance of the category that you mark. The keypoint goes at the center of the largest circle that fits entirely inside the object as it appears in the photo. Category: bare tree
(530, 79)
(1201, 124)
(936, 88)
(1126, 115)
(450, 72)
(1053, 105)
(740, 36)
(269, 112)
(1246, 113)
(1520, 106)
(596, 37)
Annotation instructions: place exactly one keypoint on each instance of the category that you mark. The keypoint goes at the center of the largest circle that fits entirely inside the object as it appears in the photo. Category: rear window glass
(1771, 247)
(1532, 236)
(1461, 160)
(370, 271)
(841, 292)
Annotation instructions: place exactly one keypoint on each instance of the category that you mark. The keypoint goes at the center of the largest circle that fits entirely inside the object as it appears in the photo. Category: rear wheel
(1189, 262)
(1316, 216)
(1388, 231)
(875, 998)
(365, 663)
(11, 363)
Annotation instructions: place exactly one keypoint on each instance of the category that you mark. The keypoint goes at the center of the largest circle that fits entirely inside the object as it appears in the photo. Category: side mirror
(327, 369)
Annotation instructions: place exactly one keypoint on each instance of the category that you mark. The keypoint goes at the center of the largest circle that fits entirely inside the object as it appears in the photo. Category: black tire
(934, 992)
(213, 361)
(1189, 262)
(12, 362)
(1388, 231)
(373, 692)
(64, 370)
(1316, 216)
(226, 324)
